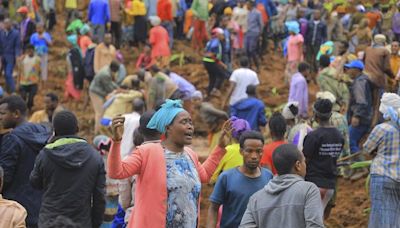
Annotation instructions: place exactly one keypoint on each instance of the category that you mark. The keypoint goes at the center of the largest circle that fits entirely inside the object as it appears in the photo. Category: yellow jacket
(231, 159)
(138, 8)
(122, 104)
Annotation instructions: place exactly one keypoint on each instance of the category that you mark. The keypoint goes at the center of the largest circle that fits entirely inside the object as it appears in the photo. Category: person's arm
(98, 196)
(36, 177)
(212, 215)
(107, 12)
(131, 165)
(20, 218)
(248, 219)
(374, 140)
(207, 169)
(17, 47)
(48, 39)
(96, 58)
(232, 86)
(386, 64)
(310, 146)
(139, 61)
(262, 119)
(90, 12)
(303, 98)
(313, 211)
(9, 157)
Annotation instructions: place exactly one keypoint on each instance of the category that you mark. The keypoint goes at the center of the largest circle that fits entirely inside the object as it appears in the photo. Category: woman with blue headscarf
(76, 74)
(169, 174)
(294, 49)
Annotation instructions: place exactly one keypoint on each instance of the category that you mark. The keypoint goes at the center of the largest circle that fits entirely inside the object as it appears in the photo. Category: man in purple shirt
(299, 89)
(99, 16)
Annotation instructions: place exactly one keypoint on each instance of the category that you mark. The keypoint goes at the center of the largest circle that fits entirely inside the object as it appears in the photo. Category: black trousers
(51, 20)
(116, 33)
(28, 93)
(216, 75)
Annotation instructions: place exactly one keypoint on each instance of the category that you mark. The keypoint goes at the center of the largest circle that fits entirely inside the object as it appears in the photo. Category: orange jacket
(164, 10)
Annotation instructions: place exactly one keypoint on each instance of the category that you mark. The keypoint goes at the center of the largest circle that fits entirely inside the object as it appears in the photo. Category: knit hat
(197, 94)
(239, 126)
(288, 113)
(380, 39)
(228, 11)
(155, 20)
(23, 9)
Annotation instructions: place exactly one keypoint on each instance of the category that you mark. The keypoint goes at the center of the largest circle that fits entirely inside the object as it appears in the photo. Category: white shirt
(243, 77)
(130, 124)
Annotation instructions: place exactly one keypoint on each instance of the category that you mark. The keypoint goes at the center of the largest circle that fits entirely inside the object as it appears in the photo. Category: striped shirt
(385, 138)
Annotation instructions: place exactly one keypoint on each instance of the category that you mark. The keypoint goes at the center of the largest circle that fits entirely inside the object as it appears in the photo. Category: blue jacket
(99, 12)
(17, 157)
(269, 7)
(10, 44)
(252, 110)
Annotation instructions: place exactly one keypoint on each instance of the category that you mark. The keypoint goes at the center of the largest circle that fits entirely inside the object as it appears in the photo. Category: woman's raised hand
(117, 128)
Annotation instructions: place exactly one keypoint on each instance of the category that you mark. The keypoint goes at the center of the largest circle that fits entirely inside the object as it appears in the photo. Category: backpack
(88, 64)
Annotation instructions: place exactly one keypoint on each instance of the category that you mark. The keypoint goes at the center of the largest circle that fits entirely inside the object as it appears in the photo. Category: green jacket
(328, 82)
(103, 83)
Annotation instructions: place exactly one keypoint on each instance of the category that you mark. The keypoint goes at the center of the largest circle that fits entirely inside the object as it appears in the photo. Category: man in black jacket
(19, 148)
(315, 36)
(72, 175)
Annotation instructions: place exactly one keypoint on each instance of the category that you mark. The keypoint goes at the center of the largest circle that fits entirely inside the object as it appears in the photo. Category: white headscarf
(286, 113)
(326, 95)
(390, 106)
(155, 20)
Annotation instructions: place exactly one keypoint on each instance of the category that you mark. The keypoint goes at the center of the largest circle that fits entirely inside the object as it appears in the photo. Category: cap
(217, 31)
(23, 9)
(355, 64)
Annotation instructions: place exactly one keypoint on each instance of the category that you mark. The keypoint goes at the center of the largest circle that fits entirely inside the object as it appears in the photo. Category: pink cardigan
(148, 163)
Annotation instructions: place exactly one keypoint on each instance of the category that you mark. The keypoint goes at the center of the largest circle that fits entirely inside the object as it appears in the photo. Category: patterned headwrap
(165, 115)
(293, 26)
(390, 106)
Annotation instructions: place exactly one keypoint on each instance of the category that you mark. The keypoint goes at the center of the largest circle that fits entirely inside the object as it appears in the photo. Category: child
(145, 61)
(30, 76)
(41, 40)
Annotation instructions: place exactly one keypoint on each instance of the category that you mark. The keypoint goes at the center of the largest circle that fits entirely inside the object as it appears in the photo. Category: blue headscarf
(73, 39)
(165, 115)
(293, 26)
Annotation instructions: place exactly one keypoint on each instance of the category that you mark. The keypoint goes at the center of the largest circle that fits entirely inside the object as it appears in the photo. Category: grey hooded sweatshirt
(286, 201)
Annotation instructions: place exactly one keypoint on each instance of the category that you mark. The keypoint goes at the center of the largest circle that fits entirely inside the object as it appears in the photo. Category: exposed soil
(352, 197)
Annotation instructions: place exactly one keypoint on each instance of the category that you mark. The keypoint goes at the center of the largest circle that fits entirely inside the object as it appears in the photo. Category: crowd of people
(139, 171)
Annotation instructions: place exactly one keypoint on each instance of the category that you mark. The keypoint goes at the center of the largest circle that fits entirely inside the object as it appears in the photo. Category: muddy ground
(352, 197)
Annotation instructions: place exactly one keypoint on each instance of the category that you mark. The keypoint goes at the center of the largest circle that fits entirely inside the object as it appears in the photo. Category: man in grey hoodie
(287, 200)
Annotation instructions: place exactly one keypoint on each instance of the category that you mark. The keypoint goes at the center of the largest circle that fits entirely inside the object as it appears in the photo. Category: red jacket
(164, 10)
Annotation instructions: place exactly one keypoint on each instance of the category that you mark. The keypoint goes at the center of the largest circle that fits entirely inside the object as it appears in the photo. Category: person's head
(324, 61)
(138, 105)
(135, 84)
(251, 90)
(141, 74)
(251, 148)
(218, 33)
(317, 15)
(30, 50)
(147, 133)
(380, 39)
(277, 126)
(23, 11)
(244, 61)
(102, 143)
(114, 66)
(155, 69)
(197, 98)
(290, 112)
(395, 47)
(225, 21)
(354, 68)
(343, 47)
(147, 48)
(65, 123)
(250, 4)
(7, 24)
(155, 21)
(293, 27)
(1, 179)
(12, 111)
(50, 101)
(363, 23)
(40, 28)
(173, 121)
(107, 39)
(288, 159)
(85, 30)
(239, 126)
(305, 69)
(322, 110)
